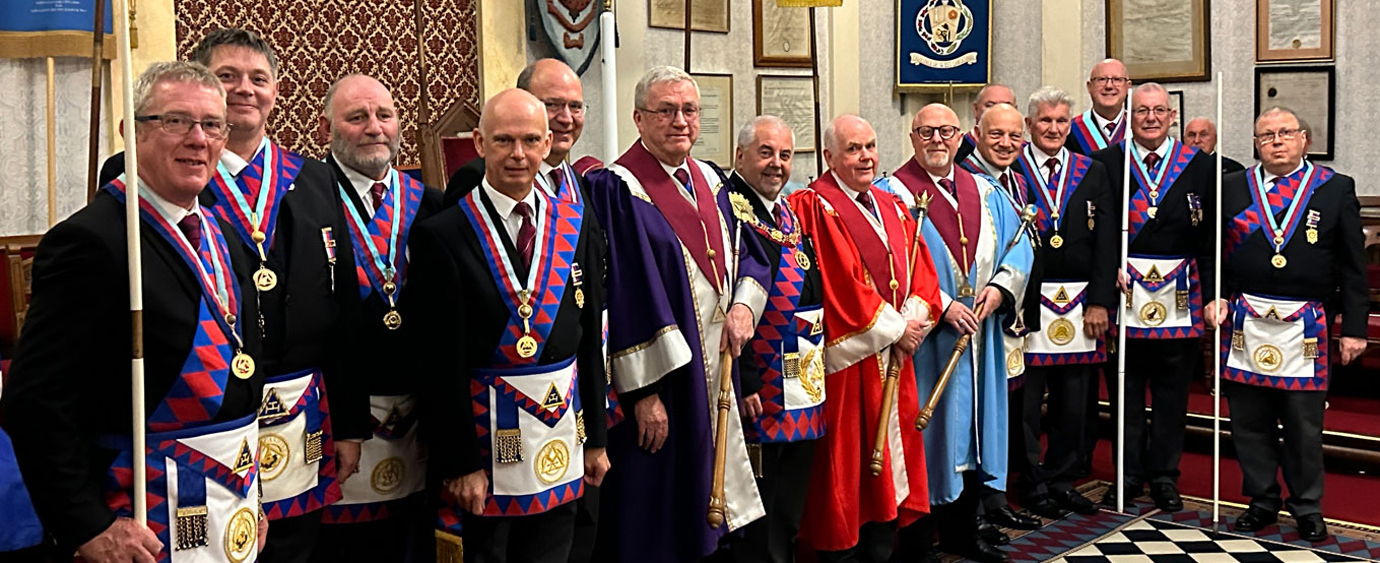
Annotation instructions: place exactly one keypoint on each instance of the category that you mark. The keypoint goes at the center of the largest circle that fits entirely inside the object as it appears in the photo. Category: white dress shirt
(363, 185)
(506, 208)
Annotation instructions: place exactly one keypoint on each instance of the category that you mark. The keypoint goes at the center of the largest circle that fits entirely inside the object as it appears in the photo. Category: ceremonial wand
(122, 21)
(927, 413)
(893, 372)
(1121, 331)
(718, 504)
(1217, 333)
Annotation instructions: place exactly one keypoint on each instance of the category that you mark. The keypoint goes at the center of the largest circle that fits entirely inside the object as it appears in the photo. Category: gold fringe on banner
(41, 44)
(808, 3)
(449, 548)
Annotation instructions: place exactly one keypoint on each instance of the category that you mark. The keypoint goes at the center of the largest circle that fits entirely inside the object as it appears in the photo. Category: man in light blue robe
(969, 224)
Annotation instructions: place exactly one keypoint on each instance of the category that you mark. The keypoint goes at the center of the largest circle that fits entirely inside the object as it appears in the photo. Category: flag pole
(1121, 330)
(51, 119)
(814, 74)
(97, 63)
(1217, 331)
(687, 34)
(136, 278)
(608, 44)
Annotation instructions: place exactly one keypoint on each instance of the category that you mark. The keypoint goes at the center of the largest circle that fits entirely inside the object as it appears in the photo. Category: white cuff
(644, 364)
(886, 328)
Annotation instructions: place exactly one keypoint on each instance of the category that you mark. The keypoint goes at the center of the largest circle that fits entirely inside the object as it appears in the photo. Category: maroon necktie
(1016, 194)
(1053, 165)
(684, 178)
(948, 186)
(776, 213)
(527, 233)
(1151, 159)
(376, 194)
(556, 178)
(866, 202)
(191, 228)
(1111, 129)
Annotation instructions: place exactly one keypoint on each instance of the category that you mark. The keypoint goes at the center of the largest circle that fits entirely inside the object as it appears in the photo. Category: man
(684, 290)
(782, 369)
(376, 518)
(990, 95)
(507, 289)
(559, 88)
(1000, 136)
(69, 413)
(1291, 237)
(879, 297)
(1170, 250)
(1103, 125)
(981, 277)
(1068, 303)
(259, 187)
(1201, 133)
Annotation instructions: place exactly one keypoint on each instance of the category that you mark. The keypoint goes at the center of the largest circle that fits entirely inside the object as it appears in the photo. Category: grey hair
(993, 85)
(748, 133)
(234, 37)
(1047, 96)
(330, 92)
(184, 72)
(1150, 87)
(829, 137)
(659, 75)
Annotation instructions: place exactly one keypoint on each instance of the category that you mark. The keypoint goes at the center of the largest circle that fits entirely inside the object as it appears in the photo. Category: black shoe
(1166, 497)
(1072, 501)
(1133, 490)
(1312, 527)
(991, 533)
(1046, 507)
(980, 551)
(1256, 519)
(1008, 518)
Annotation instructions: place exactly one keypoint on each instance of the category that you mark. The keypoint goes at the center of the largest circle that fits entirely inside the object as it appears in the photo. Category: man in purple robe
(685, 287)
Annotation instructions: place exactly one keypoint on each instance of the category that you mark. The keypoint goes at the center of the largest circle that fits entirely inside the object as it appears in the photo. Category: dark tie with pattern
(556, 178)
(376, 195)
(191, 228)
(866, 200)
(1151, 159)
(1016, 194)
(527, 233)
(1111, 129)
(776, 213)
(948, 186)
(1053, 165)
(684, 178)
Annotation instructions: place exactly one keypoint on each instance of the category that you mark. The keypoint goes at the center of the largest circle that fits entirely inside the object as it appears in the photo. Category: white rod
(608, 37)
(51, 118)
(136, 275)
(1125, 315)
(1217, 328)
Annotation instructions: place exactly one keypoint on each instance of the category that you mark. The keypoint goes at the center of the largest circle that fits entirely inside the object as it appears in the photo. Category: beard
(373, 167)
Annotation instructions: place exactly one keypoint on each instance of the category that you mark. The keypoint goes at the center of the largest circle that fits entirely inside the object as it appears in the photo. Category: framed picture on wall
(1294, 30)
(705, 15)
(791, 98)
(1161, 40)
(1176, 103)
(716, 119)
(780, 36)
(1311, 92)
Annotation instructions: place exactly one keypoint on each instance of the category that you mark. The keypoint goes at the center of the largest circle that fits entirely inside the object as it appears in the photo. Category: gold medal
(265, 279)
(1056, 241)
(1312, 236)
(579, 298)
(552, 461)
(242, 365)
(1279, 261)
(1062, 331)
(802, 260)
(392, 319)
(1152, 210)
(1153, 313)
(527, 346)
(1267, 358)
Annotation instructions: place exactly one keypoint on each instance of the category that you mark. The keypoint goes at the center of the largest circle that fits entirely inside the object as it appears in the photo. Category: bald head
(362, 123)
(1200, 132)
(513, 139)
(999, 136)
(850, 149)
(1108, 83)
(934, 136)
(991, 95)
(560, 91)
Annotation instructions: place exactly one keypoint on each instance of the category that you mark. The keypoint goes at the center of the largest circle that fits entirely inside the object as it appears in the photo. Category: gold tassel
(449, 548)
(1181, 298)
(1238, 340)
(191, 527)
(508, 445)
(790, 365)
(1310, 348)
(754, 452)
(314, 446)
(580, 428)
(1129, 300)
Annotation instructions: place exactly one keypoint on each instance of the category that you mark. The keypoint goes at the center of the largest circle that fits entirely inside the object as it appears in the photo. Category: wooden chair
(17, 279)
(443, 144)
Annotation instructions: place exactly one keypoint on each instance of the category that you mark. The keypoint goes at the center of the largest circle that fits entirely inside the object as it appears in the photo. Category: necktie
(191, 228)
(948, 186)
(776, 213)
(376, 195)
(684, 178)
(1151, 159)
(1017, 195)
(866, 201)
(556, 178)
(1053, 165)
(527, 233)
(1111, 129)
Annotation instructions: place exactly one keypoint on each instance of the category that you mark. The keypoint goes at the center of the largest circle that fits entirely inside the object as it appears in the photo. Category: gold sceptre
(923, 420)
(718, 503)
(893, 372)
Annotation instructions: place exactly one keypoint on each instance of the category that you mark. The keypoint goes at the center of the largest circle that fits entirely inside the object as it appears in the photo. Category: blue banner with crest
(940, 43)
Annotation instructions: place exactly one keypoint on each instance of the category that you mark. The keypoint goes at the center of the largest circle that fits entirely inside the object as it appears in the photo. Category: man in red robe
(880, 293)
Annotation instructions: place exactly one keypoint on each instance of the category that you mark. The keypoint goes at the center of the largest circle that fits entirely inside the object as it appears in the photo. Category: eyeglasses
(554, 107)
(181, 124)
(669, 113)
(1113, 80)
(1283, 135)
(946, 132)
(1159, 111)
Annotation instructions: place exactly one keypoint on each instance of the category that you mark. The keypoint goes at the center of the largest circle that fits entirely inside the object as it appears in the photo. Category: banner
(808, 3)
(51, 28)
(943, 43)
(571, 30)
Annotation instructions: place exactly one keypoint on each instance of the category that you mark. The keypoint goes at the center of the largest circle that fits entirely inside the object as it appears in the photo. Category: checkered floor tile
(1156, 541)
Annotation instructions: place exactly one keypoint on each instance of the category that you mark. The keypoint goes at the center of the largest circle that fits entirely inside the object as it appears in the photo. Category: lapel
(942, 215)
(343, 182)
(697, 226)
(883, 266)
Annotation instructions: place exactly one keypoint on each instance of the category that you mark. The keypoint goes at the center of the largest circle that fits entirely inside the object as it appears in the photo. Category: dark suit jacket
(811, 291)
(461, 316)
(1087, 254)
(466, 178)
(386, 359)
(1333, 270)
(70, 382)
(1172, 232)
(1228, 164)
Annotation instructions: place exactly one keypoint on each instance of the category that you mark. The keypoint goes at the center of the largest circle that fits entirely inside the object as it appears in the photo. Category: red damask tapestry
(318, 41)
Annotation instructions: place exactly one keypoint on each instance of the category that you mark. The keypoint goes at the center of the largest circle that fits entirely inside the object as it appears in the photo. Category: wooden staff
(814, 75)
(136, 279)
(927, 413)
(718, 502)
(893, 372)
(687, 34)
(93, 153)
